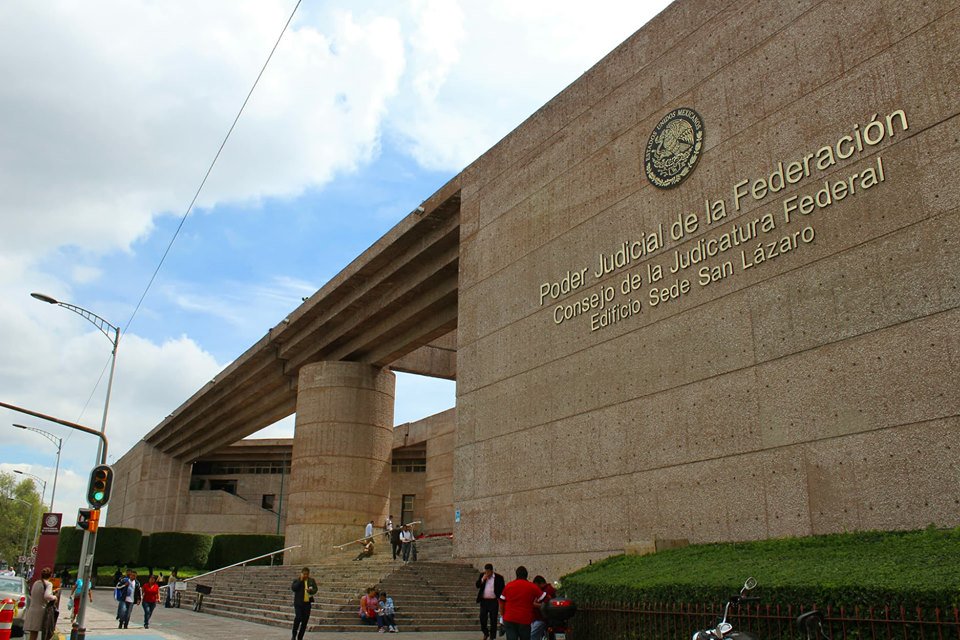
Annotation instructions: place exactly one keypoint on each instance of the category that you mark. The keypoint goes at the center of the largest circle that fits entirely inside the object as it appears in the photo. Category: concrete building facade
(708, 292)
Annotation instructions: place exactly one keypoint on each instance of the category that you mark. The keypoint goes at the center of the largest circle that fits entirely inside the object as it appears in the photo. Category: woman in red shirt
(151, 596)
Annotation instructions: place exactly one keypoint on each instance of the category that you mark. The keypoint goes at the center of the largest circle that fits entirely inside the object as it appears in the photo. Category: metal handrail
(378, 533)
(235, 564)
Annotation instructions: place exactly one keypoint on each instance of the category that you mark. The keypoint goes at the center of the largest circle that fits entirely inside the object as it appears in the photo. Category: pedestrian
(368, 606)
(517, 601)
(386, 612)
(538, 629)
(79, 588)
(303, 589)
(388, 525)
(489, 588)
(117, 577)
(171, 587)
(151, 596)
(130, 595)
(42, 599)
(395, 541)
(367, 550)
(368, 530)
(406, 541)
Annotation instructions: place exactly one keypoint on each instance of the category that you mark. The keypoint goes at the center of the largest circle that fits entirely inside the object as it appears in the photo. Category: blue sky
(112, 111)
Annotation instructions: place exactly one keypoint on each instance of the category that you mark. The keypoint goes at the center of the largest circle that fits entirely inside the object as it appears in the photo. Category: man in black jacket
(395, 541)
(489, 588)
(303, 589)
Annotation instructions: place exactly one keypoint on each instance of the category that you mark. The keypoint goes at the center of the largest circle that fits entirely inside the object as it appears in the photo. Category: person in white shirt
(406, 541)
(368, 531)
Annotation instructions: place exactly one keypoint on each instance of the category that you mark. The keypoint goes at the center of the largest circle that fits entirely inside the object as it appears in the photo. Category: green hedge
(115, 546)
(143, 556)
(173, 549)
(230, 548)
(68, 546)
(915, 568)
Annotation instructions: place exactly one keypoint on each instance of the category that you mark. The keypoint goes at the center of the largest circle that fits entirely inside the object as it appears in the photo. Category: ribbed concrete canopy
(395, 305)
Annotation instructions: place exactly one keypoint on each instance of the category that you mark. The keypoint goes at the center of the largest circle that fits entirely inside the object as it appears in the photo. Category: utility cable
(209, 170)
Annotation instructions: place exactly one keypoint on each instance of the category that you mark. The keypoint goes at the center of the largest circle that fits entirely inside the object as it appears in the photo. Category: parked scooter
(724, 630)
(557, 612)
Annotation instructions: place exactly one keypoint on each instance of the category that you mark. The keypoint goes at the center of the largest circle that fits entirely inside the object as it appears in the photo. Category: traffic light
(88, 520)
(101, 481)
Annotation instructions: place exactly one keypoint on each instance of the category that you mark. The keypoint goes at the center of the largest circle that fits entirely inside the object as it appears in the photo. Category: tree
(20, 513)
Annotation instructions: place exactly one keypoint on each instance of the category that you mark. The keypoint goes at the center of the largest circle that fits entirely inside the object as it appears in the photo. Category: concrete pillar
(342, 445)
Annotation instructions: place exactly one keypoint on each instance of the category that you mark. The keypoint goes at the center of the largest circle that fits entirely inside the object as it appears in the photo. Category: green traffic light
(98, 495)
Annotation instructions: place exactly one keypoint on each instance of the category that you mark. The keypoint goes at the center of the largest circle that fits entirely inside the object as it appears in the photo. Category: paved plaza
(185, 624)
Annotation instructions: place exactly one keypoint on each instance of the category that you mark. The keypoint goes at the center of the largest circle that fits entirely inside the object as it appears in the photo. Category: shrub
(115, 546)
(143, 557)
(911, 568)
(174, 549)
(230, 548)
(68, 546)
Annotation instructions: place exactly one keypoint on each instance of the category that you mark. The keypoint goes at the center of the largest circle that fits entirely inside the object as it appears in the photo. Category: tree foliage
(20, 513)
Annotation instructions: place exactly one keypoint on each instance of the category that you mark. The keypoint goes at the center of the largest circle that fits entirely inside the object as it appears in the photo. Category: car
(15, 588)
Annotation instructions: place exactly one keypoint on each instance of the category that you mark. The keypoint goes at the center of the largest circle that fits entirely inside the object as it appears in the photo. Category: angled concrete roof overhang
(393, 305)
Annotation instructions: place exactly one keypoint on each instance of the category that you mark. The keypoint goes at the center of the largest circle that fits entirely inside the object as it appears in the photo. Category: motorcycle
(557, 612)
(724, 630)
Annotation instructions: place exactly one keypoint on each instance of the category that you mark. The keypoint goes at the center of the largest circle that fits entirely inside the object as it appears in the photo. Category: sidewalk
(185, 624)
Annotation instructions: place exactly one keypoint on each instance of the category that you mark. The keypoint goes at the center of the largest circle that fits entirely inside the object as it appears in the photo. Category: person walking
(517, 601)
(395, 541)
(388, 525)
(368, 530)
(303, 589)
(78, 592)
(151, 596)
(168, 596)
(406, 541)
(489, 589)
(42, 597)
(130, 595)
(538, 629)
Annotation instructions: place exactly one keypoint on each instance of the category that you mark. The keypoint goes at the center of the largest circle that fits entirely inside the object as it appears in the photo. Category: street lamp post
(89, 545)
(55, 440)
(43, 494)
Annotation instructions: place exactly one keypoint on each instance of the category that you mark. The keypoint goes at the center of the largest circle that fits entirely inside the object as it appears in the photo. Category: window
(267, 501)
(208, 468)
(413, 465)
(406, 508)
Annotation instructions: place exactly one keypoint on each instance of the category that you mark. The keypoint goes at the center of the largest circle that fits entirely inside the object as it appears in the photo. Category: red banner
(47, 547)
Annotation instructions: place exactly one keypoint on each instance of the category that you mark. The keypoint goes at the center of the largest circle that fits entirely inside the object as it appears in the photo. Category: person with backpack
(128, 594)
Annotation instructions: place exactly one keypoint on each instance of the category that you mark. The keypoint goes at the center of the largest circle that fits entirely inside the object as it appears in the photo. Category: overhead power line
(196, 195)
(210, 169)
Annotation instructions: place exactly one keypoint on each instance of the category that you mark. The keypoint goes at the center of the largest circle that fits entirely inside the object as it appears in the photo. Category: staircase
(430, 595)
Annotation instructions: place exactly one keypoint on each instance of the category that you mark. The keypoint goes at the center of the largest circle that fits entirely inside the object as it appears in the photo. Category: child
(385, 614)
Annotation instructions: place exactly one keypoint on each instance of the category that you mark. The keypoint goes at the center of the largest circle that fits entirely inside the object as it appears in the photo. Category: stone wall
(149, 492)
(807, 388)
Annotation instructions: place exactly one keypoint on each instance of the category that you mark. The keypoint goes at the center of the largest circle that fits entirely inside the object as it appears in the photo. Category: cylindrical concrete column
(342, 445)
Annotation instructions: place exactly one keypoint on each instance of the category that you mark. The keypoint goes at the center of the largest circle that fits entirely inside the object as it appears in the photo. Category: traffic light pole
(78, 632)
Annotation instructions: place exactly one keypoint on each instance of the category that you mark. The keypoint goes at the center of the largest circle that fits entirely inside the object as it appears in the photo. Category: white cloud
(112, 111)
(478, 69)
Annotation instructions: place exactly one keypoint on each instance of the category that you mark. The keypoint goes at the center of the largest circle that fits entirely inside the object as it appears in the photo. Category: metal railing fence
(671, 621)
